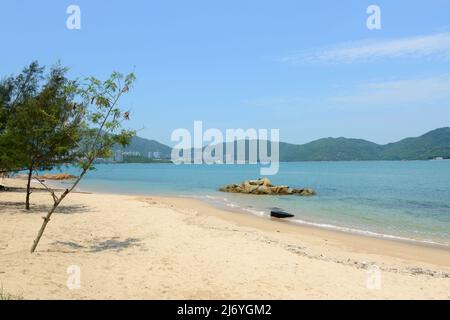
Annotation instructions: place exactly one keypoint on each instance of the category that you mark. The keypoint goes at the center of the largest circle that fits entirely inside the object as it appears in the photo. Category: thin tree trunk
(27, 201)
(46, 220)
(56, 204)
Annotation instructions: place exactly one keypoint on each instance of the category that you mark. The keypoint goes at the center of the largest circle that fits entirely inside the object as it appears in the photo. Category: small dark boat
(280, 214)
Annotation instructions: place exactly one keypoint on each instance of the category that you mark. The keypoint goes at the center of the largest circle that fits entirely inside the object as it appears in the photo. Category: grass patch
(7, 296)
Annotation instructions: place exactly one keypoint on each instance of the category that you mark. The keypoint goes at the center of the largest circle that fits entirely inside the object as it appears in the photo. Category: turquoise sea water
(399, 199)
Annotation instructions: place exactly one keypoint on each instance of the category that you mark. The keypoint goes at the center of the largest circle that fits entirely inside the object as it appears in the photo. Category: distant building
(118, 156)
(439, 158)
(131, 153)
(154, 155)
(157, 155)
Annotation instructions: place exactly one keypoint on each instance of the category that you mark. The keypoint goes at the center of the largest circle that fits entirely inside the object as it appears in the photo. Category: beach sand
(129, 247)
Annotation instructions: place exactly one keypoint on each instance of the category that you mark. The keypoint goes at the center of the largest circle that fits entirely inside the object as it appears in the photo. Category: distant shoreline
(294, 161)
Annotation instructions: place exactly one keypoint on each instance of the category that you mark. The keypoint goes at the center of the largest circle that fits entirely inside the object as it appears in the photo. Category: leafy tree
(103, 129)
(13, 92)
(43, 128)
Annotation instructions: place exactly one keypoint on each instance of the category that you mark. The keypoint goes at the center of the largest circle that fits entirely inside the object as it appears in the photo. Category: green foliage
(42, 124)
(13, 92)
(56, 121)
(104, 116)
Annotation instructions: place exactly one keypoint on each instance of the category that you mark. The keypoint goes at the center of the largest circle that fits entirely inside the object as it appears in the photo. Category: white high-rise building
(154, 155)
(157, 155)
(118, 156)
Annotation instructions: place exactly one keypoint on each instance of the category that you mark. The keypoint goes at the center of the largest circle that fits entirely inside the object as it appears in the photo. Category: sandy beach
(129, 247)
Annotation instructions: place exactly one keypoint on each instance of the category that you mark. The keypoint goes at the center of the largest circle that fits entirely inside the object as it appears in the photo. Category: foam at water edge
(365, 232)
(261, 213)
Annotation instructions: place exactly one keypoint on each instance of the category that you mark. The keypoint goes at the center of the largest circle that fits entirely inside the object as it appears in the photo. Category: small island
(263, 186)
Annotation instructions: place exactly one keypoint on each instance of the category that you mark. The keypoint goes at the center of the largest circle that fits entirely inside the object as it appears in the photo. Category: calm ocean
(399, 199)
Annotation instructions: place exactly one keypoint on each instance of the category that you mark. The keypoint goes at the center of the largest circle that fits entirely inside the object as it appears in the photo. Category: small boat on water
(280, 214)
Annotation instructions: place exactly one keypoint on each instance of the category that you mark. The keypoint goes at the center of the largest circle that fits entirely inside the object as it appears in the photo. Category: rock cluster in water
(264, 186)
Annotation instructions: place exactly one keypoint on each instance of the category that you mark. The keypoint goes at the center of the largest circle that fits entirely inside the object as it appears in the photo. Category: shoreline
(430, 253)
(324, 226)
(294, 221)
(55, 184)
(153, 247)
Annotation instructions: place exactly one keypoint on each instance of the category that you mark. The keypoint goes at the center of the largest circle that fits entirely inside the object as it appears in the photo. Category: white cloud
(434, 45)
(389, 93)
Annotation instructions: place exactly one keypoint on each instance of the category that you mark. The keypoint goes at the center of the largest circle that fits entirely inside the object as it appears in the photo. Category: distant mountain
(145, 146)
(431, 145)
(330, 149)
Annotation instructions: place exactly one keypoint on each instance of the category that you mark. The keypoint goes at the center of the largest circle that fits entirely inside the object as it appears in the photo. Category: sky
(310, 69)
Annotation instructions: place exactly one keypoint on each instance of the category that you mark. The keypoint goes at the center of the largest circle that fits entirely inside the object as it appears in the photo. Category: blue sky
(310, 69)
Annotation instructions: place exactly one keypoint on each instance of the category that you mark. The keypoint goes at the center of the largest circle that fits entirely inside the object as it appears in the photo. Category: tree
(103, 129)
(13, 92)
(43, 129)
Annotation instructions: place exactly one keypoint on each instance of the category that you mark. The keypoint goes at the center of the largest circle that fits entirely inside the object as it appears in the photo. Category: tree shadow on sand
(114, 244)
(19, 207)
(23, 190)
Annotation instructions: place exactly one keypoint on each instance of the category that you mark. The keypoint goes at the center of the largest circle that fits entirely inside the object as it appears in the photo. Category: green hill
(330, 149)
(145, 146)
(431, 145)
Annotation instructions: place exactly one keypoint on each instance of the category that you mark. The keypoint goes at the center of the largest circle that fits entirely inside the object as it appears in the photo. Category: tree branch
(92, 152)
(55, 198)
